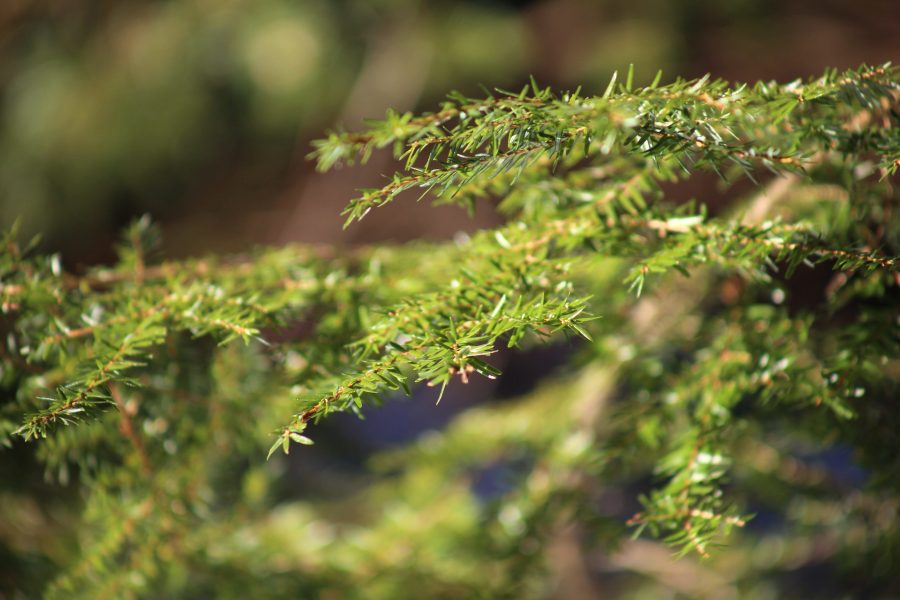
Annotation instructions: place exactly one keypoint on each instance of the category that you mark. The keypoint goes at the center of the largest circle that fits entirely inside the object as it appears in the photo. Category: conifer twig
(127, 429)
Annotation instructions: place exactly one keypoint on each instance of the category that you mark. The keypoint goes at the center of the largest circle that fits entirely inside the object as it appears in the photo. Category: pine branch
(704, 385)
(697, 123)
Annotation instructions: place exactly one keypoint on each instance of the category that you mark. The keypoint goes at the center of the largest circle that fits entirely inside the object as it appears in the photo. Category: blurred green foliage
(111, 109)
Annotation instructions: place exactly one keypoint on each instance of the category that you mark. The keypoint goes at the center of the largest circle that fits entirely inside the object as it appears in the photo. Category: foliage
(149, 389)
(210, 91)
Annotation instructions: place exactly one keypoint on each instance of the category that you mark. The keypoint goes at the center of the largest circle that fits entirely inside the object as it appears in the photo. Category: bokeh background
(200, 112)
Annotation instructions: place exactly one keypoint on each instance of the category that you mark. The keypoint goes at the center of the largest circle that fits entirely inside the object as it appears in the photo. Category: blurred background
(200, 112)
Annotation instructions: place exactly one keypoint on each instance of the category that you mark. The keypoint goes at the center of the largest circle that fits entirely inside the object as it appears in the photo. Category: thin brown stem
(126, 427)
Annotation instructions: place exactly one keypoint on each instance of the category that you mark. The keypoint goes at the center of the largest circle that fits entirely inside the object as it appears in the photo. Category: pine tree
(731, 388)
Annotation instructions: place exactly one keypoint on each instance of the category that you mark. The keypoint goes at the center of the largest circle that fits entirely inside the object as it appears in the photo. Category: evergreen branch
(719, 364)
(341, 148)
(746, 246)
(76, 396)
(439, 349)
(691, 122)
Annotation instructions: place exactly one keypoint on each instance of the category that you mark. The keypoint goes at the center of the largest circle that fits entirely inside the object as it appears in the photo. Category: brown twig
(127, 428)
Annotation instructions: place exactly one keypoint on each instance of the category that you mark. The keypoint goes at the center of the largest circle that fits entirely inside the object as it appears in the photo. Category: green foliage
(152, 388)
